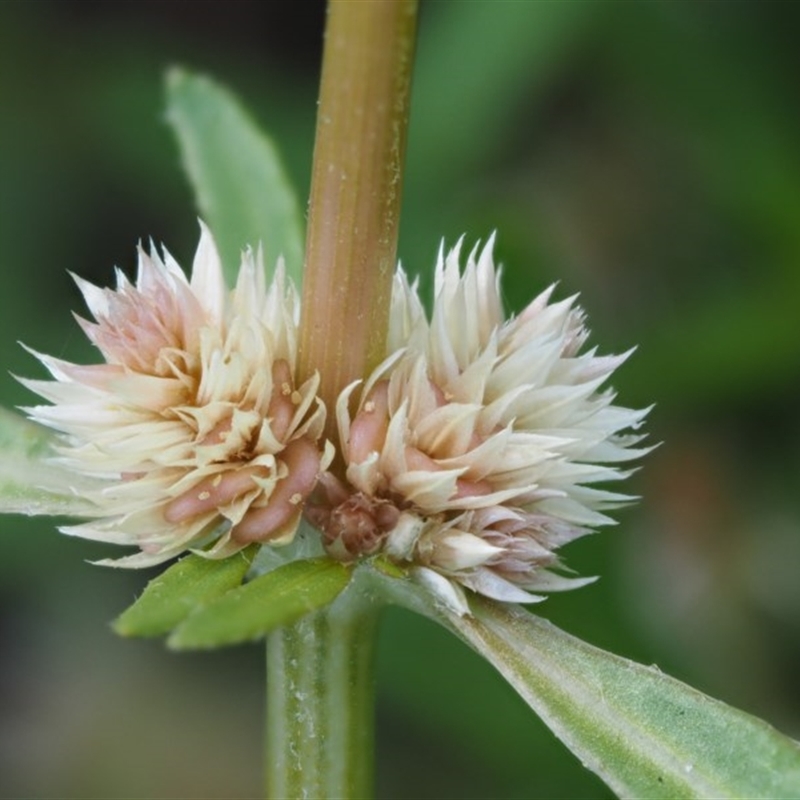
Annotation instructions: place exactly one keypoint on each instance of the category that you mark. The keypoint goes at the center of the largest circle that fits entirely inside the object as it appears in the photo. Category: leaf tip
(129, 626)
(177, 643)
(175, 76)
(121, 627)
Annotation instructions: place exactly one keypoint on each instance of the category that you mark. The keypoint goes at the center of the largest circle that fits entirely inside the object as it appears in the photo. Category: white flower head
(194, 425)
(473, 450)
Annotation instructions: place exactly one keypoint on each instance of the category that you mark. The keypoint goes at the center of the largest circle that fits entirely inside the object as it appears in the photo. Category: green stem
(356, 183)
(320, 703)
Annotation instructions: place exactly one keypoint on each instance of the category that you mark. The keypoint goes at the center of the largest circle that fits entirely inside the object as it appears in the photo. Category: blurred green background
(644, 154)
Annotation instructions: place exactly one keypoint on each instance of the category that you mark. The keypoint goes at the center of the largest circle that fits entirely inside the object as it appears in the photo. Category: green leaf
(271, 601)
(645, 734)
(178, 591)
(30, 483)
(239, 183)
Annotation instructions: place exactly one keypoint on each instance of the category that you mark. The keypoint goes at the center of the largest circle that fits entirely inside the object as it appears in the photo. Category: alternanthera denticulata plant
(314, 446)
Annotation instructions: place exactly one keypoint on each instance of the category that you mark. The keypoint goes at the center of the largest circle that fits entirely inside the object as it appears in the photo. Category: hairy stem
(355, 191)
(320, 703)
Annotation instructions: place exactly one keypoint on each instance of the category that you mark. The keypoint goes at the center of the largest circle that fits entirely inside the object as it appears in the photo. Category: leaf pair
(203, 603)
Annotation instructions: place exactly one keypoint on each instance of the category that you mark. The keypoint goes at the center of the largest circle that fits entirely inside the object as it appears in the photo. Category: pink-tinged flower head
(473, 450)
(194, 425)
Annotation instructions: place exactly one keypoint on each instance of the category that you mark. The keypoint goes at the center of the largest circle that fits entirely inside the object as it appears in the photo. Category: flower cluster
(470, 454)
(195, 424)
(473, 448)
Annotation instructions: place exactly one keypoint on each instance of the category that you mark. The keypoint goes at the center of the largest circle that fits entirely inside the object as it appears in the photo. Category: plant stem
(356, 185)
(320, 688)
(320, 699)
